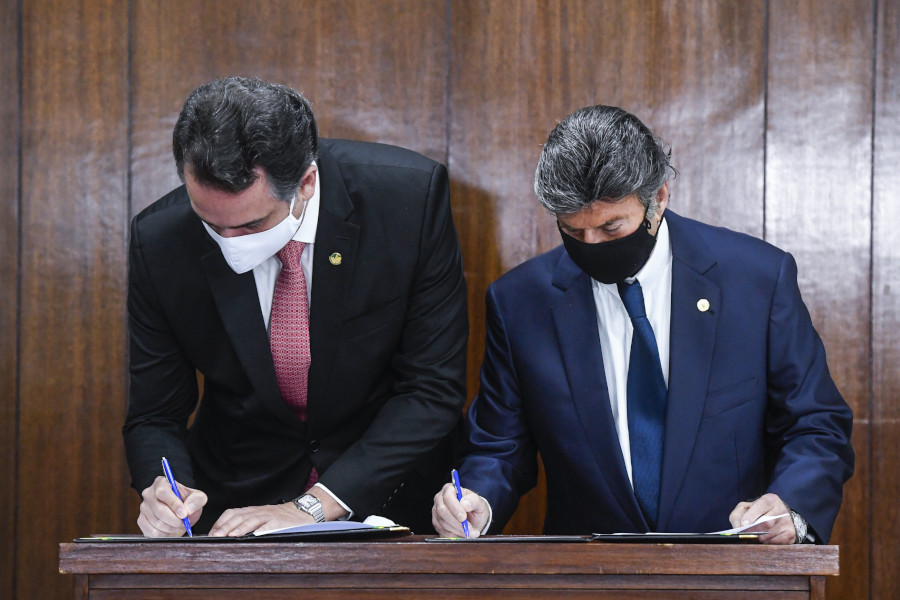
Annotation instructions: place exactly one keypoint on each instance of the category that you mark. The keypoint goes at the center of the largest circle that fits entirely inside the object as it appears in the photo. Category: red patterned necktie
(289, 333)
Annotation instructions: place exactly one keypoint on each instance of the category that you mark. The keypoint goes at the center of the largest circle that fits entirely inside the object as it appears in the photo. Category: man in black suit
(383, 302)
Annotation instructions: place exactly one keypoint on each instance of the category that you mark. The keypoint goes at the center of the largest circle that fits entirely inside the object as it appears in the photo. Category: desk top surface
(414, 554)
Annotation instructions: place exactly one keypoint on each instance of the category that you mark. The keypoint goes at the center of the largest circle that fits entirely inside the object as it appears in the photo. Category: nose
(593, 236)
(229, 232)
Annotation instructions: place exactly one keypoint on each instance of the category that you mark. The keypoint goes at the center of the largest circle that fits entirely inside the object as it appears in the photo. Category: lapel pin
(335, 258)
(703, 305)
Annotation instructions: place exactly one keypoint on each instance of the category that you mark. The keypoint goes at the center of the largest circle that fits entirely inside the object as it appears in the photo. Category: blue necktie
(646, 404)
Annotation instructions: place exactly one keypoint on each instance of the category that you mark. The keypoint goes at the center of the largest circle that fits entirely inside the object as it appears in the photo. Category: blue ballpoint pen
(168, 472)
(465, 522)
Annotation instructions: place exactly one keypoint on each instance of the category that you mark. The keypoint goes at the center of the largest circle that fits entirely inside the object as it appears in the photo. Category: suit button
(314, 446)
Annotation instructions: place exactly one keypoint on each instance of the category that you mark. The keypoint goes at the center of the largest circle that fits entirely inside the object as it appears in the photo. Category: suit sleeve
(163, 391)
(808, 423)
(501, 463)
(429, 368)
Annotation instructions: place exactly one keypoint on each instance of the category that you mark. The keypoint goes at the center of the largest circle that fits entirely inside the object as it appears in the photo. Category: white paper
(371, 522)
(760, 520)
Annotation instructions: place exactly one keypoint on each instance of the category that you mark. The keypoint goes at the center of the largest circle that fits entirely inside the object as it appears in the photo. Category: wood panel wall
(882, 486)
(784, 118)
(819, 160)
(9, 256)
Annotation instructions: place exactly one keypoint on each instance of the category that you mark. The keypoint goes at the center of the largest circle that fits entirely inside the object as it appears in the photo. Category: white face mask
(245, 252)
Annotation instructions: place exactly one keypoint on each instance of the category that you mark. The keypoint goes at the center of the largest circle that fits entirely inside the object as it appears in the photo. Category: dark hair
(600, 153)
(230, 126)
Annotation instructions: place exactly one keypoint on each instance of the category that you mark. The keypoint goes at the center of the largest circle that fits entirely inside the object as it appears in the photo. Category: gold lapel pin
(335, 258)
(703, 305)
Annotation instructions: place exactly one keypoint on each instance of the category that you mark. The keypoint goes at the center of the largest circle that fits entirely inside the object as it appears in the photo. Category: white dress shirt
(615, 329)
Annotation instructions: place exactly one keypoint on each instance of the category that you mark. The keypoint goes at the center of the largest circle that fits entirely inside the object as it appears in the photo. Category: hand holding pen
(459, 511)
(465, 523)
(171, 480)
(167, 507)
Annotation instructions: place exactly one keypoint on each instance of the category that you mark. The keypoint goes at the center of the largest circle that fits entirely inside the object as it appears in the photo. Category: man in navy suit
(709, 402)
(371, 343)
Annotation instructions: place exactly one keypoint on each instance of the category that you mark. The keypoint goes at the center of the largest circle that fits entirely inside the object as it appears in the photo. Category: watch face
(312, 506)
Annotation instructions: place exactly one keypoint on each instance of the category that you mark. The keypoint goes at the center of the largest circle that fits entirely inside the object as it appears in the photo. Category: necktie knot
(633, 298)
(290, 255)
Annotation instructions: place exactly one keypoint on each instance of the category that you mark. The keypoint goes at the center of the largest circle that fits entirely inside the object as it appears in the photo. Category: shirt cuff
(336, 499)
(490, 518)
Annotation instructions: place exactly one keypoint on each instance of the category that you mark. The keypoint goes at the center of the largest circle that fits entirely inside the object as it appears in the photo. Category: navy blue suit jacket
(751, 405)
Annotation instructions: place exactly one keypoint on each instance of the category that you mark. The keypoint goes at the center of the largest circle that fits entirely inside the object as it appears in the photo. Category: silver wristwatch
(311, 506)
(801, 526)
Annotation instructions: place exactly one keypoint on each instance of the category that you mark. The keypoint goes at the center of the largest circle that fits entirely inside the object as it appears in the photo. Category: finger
(445, 521)
(156, 510)
(469, 501)
(781, 534)
(438, 525)
(438, 511)
(153, 526)
(275, 517)
(477, 512)
(194, 501)
(240, 521)
(225, 522)
(473, 504)
(164, 494)
(762, 506)
(147, 529)
(249, 523)
(735, 517)
(447, 499)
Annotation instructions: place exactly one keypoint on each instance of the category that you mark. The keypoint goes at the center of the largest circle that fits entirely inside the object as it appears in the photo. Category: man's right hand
(162, 511)
(448, 513)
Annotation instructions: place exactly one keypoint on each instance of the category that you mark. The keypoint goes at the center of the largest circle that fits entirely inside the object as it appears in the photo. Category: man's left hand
(236, 522)
(780, 531)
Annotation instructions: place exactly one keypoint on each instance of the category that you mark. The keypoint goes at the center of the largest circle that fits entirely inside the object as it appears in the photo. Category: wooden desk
(412, 568)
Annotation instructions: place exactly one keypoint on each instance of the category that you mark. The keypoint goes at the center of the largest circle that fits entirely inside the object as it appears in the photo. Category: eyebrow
(249, 224)
(604, 224)
(241, 226)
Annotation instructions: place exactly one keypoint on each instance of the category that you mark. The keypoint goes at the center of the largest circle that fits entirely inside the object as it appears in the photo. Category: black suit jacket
(388, 332)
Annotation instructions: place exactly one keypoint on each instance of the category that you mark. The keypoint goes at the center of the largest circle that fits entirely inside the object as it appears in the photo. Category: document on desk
(515, 539)
(372, 527)
(748, 534)
(333, 527)
(738, 535)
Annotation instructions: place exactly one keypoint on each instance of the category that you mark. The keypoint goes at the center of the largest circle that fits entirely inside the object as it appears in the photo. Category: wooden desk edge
(414, 555)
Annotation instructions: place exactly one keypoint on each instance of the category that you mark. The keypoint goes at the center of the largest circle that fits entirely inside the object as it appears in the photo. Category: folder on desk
(624, 538)
(745, 534)
(677, 538)
(515, 539)
(316, 532)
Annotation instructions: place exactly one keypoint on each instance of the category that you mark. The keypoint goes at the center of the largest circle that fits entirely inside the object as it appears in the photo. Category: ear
(308, 183)
(662, 198)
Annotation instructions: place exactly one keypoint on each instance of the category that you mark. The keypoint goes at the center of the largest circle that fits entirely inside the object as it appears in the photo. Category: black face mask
(613, 261)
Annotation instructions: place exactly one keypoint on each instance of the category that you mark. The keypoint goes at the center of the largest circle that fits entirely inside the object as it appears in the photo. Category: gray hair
(600, 153)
